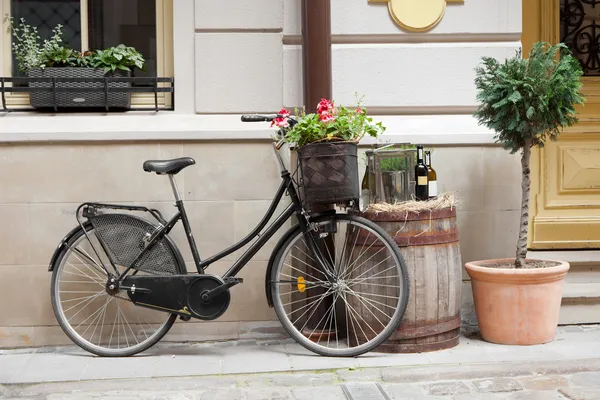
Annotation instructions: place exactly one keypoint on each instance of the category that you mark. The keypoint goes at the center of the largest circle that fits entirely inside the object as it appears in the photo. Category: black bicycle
(337, 281)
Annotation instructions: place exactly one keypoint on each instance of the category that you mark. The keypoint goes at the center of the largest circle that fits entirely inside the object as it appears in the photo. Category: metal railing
(153, 85)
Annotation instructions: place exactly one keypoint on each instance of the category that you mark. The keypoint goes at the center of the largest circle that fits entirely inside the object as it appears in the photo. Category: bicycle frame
(295, 208)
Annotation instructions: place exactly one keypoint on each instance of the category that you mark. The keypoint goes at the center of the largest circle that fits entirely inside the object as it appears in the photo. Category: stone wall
(232, 58)
(226, 193)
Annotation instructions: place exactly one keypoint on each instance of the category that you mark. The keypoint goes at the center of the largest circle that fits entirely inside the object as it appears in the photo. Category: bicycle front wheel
(363, 301)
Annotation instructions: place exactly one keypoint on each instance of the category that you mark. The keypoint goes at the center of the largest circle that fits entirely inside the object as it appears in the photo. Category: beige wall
(226, 192)
(238, 64)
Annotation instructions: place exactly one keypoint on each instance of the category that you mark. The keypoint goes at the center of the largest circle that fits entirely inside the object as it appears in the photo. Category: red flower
(281, 122)
(326, 117)
(325, 106)
(359, 110)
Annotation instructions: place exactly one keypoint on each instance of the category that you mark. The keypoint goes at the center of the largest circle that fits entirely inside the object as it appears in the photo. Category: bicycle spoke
(296, 301)
(360, 298)
(303, 252)
(359, 255)
(143, 330)
(125, 331)
(304, 273)
(352, 252)
(87, 300)
(96, 318)
(317, 304)
(95, 278)
(321, 297)
(84, 254)
(103, 319)
(93, 270)
(83, 276)
(376, 284)
(75, 299)
(349, 315)
(113, 330)
(89, 316)
(353, 281)
(324, 266)
(380, 303)
(318, 323)
(363, 263)
(343, 253)
(374, 294)
(360, 326)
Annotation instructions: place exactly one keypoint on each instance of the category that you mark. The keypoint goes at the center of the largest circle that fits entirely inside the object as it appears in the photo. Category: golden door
(565, 191)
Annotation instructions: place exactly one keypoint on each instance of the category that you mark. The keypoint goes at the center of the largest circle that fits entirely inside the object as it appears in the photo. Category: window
(96, 24)
(580, 31)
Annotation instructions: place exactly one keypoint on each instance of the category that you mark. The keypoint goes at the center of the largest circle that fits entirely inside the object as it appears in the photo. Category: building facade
(230, 58)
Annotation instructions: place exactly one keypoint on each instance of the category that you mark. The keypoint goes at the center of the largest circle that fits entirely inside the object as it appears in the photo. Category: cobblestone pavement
(567, 368)
(574, 379)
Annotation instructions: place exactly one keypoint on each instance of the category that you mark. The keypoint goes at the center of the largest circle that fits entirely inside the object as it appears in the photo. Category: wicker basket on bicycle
(329, 172)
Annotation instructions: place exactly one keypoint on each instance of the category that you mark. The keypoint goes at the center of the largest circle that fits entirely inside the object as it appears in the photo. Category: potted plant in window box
(526, 102)
(327, 145)
(51, 59)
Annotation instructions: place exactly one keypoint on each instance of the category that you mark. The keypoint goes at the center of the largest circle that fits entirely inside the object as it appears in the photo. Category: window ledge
(34, 127)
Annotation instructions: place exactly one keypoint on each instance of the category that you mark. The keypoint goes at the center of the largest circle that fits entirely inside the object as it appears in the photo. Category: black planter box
(329, 172)
(94, 98)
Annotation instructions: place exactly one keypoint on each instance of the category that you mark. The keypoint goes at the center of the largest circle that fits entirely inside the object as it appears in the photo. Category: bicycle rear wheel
(97, 319)
(356, 310)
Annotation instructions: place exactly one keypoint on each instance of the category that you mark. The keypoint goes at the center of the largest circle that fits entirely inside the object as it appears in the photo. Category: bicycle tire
(74, 336)
(298, 336)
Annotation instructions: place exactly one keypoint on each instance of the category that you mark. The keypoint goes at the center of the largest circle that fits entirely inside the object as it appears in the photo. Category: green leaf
(530, 112)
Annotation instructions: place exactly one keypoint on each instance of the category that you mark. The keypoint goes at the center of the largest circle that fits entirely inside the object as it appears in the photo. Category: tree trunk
(524, 226)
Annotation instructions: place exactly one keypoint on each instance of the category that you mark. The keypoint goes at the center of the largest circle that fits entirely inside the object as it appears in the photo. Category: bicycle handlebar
(267, 118)
(280, 132)
(258, 118)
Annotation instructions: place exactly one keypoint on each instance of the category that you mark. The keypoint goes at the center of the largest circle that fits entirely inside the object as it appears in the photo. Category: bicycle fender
(62, 245)
(276, 250)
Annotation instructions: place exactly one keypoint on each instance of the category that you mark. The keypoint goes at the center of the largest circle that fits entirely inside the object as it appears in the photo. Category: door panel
(565, 206)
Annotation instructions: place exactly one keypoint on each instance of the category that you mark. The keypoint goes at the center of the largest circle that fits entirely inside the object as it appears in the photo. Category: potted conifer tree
(526, 102)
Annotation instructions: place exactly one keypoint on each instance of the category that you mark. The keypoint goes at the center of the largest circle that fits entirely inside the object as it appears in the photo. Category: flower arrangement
(30, 53)
(329, 124)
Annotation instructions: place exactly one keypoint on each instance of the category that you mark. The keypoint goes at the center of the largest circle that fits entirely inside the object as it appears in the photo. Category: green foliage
(30, 52)
(389, 164)
(333, 123)
(120, 57)
(527, 101)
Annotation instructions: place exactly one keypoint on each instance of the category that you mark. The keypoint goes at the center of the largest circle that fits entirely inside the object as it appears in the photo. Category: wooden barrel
(429, 244)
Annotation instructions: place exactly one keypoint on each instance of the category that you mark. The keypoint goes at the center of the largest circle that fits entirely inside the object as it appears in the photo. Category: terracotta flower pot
(517, 306)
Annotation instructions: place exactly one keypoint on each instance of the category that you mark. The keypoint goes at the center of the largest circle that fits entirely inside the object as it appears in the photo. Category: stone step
(581, 297)
(578, 293)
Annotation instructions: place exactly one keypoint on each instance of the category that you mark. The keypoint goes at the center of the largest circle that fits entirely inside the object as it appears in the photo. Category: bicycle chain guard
(178, 294)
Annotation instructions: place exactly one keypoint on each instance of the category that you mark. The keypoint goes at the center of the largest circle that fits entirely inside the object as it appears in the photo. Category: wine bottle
(421, 190)
(431, 177)
(366, 194)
